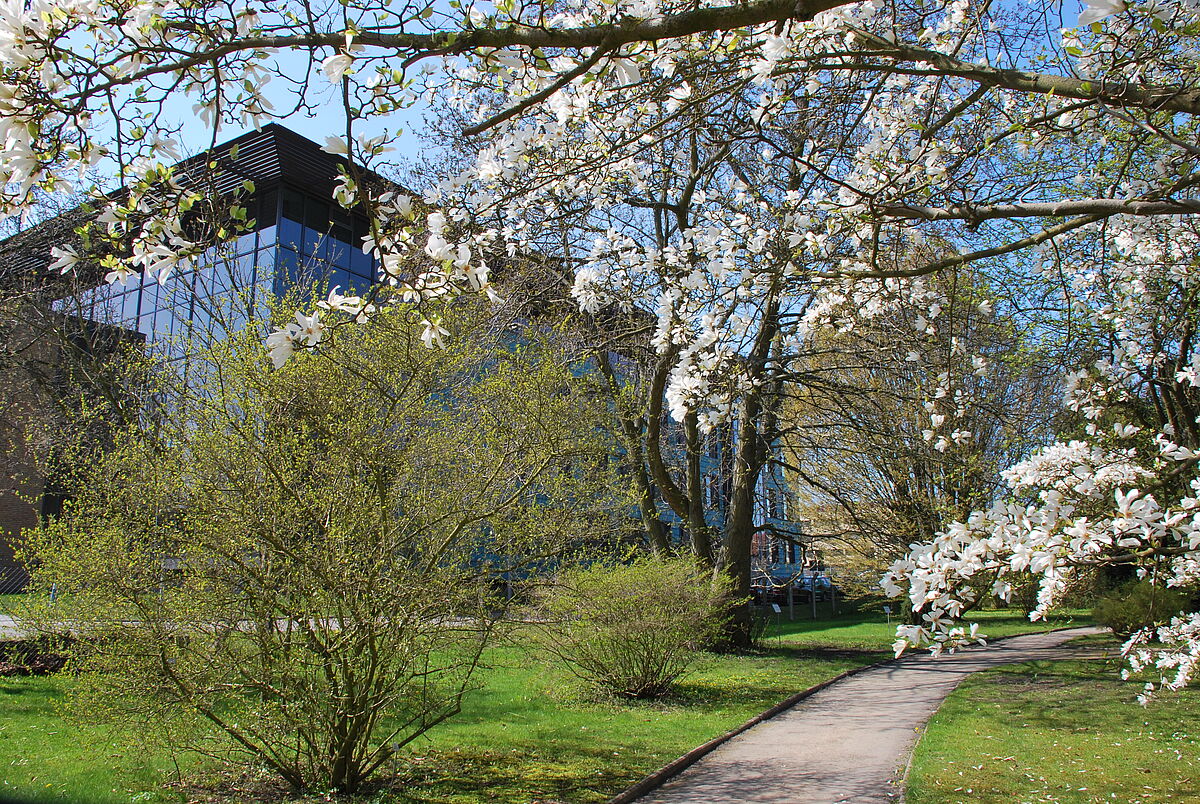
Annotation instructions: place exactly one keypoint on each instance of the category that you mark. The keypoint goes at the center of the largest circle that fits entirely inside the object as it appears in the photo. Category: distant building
(36, 390)
(300, 236)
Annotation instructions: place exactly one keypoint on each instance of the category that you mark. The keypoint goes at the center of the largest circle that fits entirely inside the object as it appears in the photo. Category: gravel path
(851, 741)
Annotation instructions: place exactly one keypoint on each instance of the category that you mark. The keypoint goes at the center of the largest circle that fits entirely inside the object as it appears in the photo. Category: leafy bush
(633, 629)
(293, 567)
(1136, 605)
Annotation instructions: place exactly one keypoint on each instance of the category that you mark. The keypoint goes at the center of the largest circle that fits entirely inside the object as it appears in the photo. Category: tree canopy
(752, 174)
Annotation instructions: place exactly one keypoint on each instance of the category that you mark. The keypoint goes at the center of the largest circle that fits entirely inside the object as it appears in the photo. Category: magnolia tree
(805, 146)
(1123, 494)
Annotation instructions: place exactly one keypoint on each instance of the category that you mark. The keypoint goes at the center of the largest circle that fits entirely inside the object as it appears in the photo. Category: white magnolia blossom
(1088, 503)
(356, 307)
(337, 67)
(65, 259)
(1096, 10)
(433, 334)
(336, 146)
(306, 331)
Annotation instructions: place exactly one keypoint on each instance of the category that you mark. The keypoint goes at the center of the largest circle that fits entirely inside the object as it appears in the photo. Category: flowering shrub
(633, 629)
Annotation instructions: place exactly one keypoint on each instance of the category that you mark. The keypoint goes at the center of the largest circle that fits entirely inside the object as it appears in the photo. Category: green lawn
(47, 756)
(526, 734)
(1066, 731)
(530, 736)
(872, 632)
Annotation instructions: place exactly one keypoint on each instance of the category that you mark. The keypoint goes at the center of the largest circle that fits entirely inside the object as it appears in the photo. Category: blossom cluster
(1128, 494)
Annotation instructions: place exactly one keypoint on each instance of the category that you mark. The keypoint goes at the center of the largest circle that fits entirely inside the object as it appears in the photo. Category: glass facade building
(299, 238)
(300, 241)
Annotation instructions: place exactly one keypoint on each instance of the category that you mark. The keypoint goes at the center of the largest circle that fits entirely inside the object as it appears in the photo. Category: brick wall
(17, 511)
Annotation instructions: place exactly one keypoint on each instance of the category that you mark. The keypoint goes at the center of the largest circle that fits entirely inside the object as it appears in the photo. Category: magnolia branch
(1051, 209)
(971, 256)
(1160, 98)
(541, 95)
(706, 20)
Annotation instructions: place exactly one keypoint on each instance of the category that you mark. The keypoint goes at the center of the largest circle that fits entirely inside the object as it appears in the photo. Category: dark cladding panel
(272, 158)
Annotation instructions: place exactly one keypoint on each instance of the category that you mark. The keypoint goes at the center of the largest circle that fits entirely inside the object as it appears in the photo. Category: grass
(1063, 731)
(528, 734)
(12, 603)
(531, 736)
(46, 756)
(855, 631)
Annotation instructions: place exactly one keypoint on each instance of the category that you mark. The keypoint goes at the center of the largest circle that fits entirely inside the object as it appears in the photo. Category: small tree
(633, 629)
(305, 558)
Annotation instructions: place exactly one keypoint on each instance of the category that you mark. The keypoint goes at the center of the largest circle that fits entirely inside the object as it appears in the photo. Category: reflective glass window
(268, 238)
(145, 324)
(290, 234)
(315, 243)
(246, 243)
(243, 269)
(361, 263)
(340, 279)
(339, 252)
(287, 270)
(360, 285)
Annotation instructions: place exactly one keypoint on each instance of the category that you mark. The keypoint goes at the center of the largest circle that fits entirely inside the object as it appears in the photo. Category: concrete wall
(31, 362)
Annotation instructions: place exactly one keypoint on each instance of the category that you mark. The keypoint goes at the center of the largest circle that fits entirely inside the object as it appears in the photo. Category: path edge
(677, 766)
(902, 780)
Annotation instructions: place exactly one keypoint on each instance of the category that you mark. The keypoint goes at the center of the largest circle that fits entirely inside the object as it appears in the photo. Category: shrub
(293, 567)
(1136, 605)
(633, 629)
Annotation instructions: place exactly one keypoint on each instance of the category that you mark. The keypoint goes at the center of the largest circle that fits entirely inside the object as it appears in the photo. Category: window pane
(339, 252)
(341, 280)
(290, 234)
(287, 271)
(360, 285)
(315, 243)
(246, 243)
(361, 263)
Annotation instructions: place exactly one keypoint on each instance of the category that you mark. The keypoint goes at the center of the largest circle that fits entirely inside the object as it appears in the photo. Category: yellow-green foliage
(298, 564)
(633, 629)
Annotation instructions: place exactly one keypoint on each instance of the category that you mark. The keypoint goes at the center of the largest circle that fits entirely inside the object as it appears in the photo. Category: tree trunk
(750, 449)
(632, 431)
(738, 541)
(697, 521)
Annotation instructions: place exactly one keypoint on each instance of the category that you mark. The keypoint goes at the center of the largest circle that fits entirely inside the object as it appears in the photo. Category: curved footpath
(851, 741)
